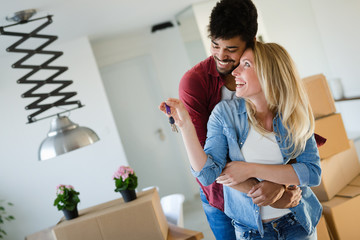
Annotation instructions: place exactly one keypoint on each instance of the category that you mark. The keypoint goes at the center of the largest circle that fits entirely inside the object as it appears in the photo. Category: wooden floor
(195, 219)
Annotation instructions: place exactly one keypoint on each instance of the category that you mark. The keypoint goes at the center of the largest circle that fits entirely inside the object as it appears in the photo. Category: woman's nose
(236, 71)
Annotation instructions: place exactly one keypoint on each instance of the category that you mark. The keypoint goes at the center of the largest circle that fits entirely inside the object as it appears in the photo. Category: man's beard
(224, 73)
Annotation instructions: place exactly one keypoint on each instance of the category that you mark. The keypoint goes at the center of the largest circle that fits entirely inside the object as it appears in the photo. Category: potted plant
(4, 216)
(126, 182)
(67, 200)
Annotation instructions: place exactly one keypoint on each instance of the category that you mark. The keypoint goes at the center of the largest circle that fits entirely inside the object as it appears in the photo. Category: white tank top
(227, 94)
(268, 153)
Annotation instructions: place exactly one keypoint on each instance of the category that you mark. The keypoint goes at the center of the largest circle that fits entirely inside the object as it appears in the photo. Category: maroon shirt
(200, 91)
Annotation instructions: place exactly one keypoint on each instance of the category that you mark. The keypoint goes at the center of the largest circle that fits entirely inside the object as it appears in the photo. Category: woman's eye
(247, 64)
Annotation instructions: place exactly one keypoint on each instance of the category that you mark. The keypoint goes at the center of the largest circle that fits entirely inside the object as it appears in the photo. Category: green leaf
(56, 201)
(130, 183)
(68, 200)
(9, 218)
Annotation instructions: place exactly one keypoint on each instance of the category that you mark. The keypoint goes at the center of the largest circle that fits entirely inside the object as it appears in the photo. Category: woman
(270, 124)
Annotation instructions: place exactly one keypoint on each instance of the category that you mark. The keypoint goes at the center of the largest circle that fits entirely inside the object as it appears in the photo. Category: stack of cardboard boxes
(339, 191)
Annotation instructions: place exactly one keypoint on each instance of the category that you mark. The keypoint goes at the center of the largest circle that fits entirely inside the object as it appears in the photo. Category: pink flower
(123, 172)
(125, 176)
(61, 187)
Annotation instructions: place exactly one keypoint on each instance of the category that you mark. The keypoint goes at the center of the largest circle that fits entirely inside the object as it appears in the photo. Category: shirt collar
(242, 106)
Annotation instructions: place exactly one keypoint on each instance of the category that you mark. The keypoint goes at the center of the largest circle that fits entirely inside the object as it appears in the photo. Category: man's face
(227, 53)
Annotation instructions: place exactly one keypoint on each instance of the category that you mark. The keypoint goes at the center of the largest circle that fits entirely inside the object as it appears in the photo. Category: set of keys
(171, 119)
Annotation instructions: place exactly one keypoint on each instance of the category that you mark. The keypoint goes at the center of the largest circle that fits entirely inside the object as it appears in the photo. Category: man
(232, 28)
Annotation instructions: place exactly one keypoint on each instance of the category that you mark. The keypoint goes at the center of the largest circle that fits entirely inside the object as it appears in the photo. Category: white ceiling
(97, 18)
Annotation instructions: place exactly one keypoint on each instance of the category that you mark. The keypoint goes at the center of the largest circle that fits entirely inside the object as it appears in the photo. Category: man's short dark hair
(231, 18)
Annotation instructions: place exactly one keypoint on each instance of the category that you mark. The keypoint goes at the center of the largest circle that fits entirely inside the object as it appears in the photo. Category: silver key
(172, 123)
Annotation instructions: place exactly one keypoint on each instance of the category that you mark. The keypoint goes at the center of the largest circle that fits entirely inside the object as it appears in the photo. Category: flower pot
(128, 195)
(70, 214)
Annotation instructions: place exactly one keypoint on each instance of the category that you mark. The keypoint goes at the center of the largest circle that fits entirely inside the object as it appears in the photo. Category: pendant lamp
(64, 135)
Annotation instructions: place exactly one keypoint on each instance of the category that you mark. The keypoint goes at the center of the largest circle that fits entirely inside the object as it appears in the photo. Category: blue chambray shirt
(228, 128)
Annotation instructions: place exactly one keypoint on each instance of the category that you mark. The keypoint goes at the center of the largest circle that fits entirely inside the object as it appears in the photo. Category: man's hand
(266, 193)
(289, 199)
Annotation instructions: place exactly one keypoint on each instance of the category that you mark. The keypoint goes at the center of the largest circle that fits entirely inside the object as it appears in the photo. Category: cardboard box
(337, 172)
(355, 182)
(320, 97)
(342, 214)
(142, 218)
(174, 233)
(332, 128)
(322, 230)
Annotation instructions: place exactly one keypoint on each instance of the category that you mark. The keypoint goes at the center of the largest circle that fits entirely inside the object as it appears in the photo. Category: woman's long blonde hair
(285, 94)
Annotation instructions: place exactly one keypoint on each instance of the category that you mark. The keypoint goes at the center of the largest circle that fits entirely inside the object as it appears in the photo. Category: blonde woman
(268, 125)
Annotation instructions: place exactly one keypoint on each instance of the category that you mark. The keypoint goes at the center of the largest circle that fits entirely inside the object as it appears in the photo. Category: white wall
(293, 25)
(30, 184)
(337, 22)
(338, 25)
(322, 37)
(202, 13)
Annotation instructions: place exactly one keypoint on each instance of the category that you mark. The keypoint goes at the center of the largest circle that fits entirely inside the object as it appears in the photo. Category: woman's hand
(178, 112)
(234, 173)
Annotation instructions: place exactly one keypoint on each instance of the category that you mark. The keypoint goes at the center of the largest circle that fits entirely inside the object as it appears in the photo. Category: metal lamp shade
(65, 136)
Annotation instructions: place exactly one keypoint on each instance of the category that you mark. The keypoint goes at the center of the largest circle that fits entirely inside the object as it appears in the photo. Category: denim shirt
(228, 128)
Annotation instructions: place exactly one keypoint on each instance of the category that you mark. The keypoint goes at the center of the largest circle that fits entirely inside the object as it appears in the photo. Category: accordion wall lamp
(64, 135)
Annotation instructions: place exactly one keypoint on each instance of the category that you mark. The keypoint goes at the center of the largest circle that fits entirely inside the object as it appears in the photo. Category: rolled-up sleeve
(308, 167)
(209, 172)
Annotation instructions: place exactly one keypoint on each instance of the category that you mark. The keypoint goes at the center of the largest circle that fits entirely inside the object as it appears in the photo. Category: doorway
(151, 148)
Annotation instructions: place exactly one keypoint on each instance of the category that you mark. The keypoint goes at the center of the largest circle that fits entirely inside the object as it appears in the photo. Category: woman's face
(247, 83)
